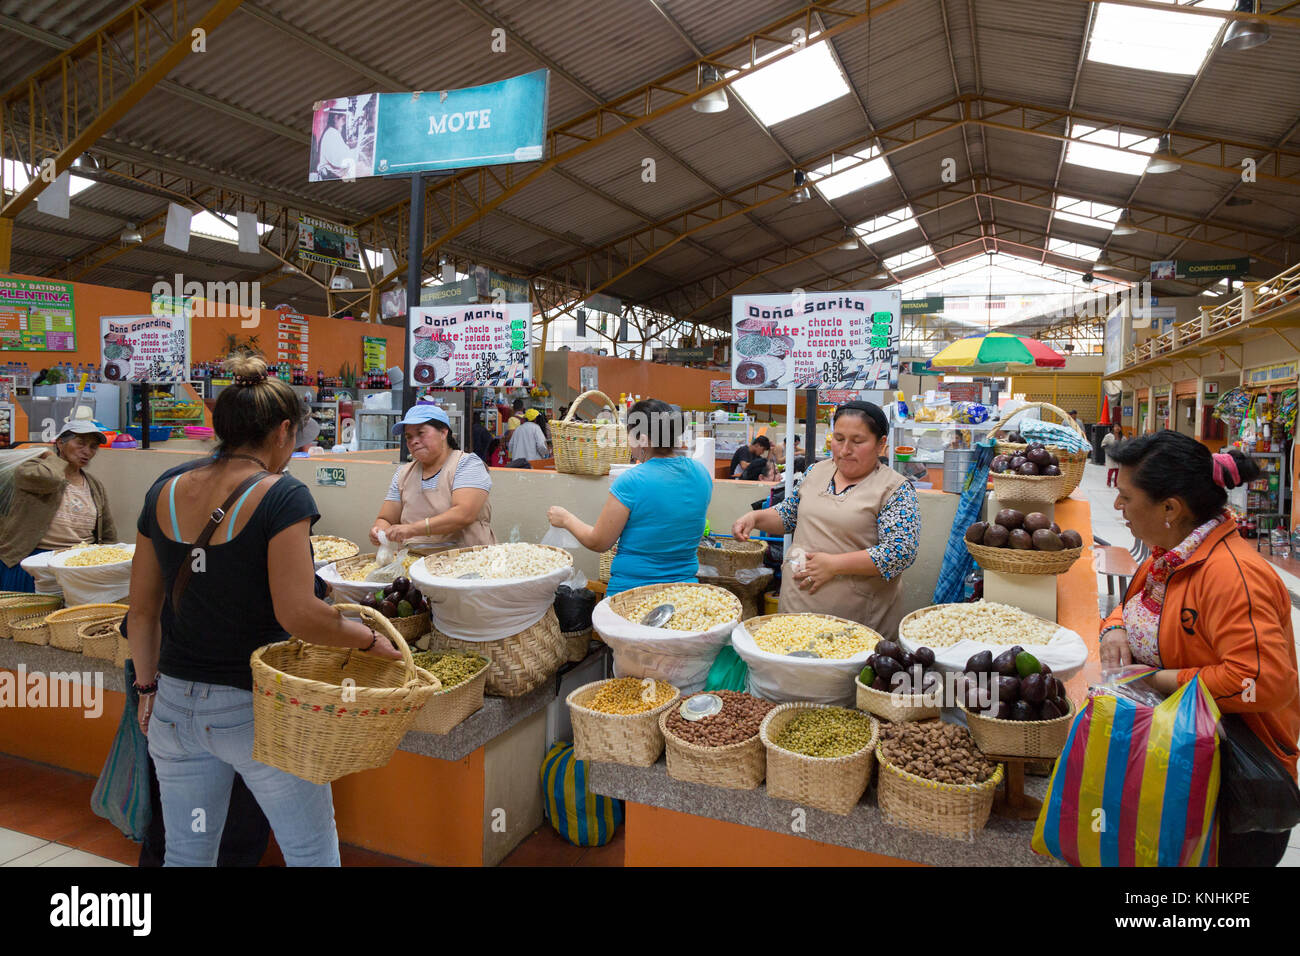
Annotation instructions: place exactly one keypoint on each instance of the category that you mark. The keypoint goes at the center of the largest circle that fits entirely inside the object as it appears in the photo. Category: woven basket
(895, 708)
(1071, 463)
(607, 564)
(99, 639)
(577, 644)
(24, 605)
(520, 662)
(31, 629)
(1014, 561)
(1028, 489)
(354, 548)
(739, 766)
(624, 601)
(1020, 738)
(733, 556)
(66, 623)
(589, 448)
(451, 705)
(954, 811)
(834, 784)
(412, 628)
(308, 723)
(633, 739)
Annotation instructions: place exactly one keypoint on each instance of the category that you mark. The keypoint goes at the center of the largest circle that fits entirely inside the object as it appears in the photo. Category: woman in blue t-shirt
(655, 511)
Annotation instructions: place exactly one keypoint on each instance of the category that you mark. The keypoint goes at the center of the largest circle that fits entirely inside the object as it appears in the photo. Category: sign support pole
(790, 406)
(146, 417)
(414, 269)
(811, 412)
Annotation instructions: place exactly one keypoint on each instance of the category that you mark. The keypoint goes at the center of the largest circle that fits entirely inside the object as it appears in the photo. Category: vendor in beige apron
(447, 514)
(857, 522)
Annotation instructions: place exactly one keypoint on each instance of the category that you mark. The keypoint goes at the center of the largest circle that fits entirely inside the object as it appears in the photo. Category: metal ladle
(659, 616)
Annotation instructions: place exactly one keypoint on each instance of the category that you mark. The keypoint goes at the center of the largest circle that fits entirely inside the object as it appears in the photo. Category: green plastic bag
(121, 793)
(728, 672)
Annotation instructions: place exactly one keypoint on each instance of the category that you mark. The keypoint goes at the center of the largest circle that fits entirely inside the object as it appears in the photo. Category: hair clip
(257, 378)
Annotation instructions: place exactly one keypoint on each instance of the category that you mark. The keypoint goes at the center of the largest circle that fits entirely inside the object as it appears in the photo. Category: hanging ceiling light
(849, 241)
(801, 194)
(1164, 159)
(1103, 261)
(714, 102)
(130, 234)
(881, 273)
(1124, 225)
(85, 162)
(288, 269)
(1244, 34)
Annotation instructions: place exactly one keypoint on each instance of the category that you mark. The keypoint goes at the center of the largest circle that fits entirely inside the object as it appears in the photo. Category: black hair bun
(1247, 469)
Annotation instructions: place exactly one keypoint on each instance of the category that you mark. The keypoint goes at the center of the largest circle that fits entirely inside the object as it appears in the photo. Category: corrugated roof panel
(1251, 95)
(1140, 96)
(1028, 49)
(707, 141)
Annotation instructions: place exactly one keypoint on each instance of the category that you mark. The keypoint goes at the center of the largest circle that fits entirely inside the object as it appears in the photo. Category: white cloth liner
(488, 609)
(38, 566)
(99, 584)
(682, 658)
(818, 680)
(1065, 652)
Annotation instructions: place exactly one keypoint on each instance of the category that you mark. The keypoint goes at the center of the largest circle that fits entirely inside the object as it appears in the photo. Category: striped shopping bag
(1136, 785)
(580, 816)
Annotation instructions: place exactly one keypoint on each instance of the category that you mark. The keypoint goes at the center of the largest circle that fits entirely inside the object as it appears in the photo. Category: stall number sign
(336, 477)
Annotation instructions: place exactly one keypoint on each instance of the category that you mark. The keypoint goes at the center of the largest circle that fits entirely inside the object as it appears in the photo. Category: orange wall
(331, 341)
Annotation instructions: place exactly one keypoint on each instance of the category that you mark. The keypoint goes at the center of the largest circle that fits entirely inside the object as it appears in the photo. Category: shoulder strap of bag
(187, 566)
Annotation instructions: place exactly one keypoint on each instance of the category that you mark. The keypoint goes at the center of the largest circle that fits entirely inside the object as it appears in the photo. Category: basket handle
(1062, 413)
(370, 615)
(568, 416)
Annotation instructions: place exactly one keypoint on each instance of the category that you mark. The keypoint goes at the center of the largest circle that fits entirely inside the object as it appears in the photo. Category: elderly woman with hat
(441, 495)
(56, 504)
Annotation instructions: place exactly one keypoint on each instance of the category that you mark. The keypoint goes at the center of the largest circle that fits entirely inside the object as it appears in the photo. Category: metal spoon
(468, 576)
(659, 616)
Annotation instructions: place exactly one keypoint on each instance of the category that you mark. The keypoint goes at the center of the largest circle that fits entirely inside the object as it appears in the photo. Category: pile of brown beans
(937, 751)
(738, 720)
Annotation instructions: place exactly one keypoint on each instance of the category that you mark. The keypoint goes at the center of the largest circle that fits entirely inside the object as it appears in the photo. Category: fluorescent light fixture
(1085, 212)
(849, 242)
(911, 257)
(1156, 40)
(1124, 225)
(1243, 34)
(714, 102)
(887, 225)
(220, 227)
(1104, 149)
(1164, 159)
(801, 194)
(851, 172)
(799, 83)
(1074, 250)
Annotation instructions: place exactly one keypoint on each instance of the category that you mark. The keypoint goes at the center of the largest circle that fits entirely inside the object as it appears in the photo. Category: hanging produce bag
(1136, 785)
(121, 795)
(957, 560)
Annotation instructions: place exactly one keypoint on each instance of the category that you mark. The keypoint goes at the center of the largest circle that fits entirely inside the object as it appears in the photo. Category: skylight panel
(1157, 40)
(1101, 149)
(1074, 250)
(1086, 213)
(797, 84)
(887, 225)
(851, 173)
(220, 227)
(17, 176)
(909, 258)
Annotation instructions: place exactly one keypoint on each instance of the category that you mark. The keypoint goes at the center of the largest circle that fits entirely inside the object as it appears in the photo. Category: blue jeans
(199, 736)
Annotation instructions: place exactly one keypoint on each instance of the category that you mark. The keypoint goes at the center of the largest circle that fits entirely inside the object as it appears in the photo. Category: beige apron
(837, 525)
(418, 504)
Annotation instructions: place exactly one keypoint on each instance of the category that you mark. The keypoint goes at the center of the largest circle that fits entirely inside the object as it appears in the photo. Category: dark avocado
(1071, 539)
(996, 536)
(975, 533)
(1035, 521)
(1023, 710)
(1028, 468)
(890, 649)
(1021, 540)
(1045, 540)
(1005, 664)
(924, 656)
(1010, 518)
(981, 663)
(1008, 689)
(1050, 711)
(1034, 688)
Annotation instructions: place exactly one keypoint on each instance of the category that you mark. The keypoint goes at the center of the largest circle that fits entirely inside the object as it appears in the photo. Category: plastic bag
(750, 575)
(777, 677)
(121, 795)
(561, 538)
(682, 658)
(10, 461)
(391, 571)
(728, 672)
(1257, 793)
(487, 609)
(573, 607)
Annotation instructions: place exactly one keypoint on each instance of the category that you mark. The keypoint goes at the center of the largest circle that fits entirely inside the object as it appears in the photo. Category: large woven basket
(954, 811)
(624, 601)
(607, 564)
(739, 766)
(31, 629)
(308, 722)
(351, 548)
(895, 708)
(633, 739)
(412, 628)
(1014, 561)
(65, 624)
(589, 448)
(99, 639)
(835, 784)
(25, 605)
(1020, 738)
(521, 662)
(1028, 489)
(577, 644)
(1072, 463)
(451, 705)
(733, 556)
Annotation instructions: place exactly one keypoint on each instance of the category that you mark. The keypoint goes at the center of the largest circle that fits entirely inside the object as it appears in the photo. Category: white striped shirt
(470, 473)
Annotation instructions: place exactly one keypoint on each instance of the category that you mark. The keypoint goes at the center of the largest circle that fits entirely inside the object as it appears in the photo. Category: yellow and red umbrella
(998, 349)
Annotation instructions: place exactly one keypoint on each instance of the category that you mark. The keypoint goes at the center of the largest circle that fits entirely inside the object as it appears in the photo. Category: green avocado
(867, 676)
(404, 609)
(1026, 664)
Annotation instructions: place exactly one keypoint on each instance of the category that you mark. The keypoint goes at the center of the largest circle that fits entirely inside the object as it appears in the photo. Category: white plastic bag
(682, 658)
(1065, 653)
(98, 584)
(777, 677)
(391, 571)
(487, 609)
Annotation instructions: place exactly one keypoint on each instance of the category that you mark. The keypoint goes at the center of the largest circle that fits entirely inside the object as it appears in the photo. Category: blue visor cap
(420, 415)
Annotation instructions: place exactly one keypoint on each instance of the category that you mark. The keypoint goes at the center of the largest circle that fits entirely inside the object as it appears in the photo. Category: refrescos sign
(816, 340)
(382, 134)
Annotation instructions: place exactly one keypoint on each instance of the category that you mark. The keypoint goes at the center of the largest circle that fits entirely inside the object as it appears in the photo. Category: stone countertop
(1002, 842)
(494, 718)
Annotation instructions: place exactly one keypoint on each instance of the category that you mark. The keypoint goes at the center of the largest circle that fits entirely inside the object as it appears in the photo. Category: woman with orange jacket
(1205, 603)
